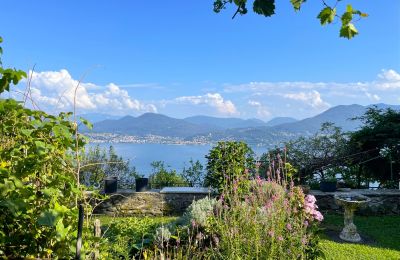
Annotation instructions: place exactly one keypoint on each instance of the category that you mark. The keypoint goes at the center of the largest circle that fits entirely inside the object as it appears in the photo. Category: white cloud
(54, 91)
(312, 98)
(262, 111)
(215, 100)
(389, 79)
(373, 97)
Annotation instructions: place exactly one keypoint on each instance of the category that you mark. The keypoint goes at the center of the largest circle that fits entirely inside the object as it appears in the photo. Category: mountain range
(252, 131)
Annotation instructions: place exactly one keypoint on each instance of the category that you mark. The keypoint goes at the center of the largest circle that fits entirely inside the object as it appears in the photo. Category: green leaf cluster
(163, 177)
(38, 179)
(98, 164)
(381, 131)
(38, 182)
(228, 162)
(326, 15)
(194, 174)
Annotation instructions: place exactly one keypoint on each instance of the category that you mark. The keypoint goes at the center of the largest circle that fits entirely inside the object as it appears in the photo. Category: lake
(175, 156)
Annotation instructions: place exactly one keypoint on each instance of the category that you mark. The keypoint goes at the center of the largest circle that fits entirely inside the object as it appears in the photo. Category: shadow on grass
(376, 231)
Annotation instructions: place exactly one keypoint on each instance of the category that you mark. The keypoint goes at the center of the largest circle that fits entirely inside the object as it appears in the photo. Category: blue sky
(180, 58)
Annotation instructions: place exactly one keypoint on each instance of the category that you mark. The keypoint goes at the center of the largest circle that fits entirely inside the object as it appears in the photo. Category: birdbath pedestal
(350, 203)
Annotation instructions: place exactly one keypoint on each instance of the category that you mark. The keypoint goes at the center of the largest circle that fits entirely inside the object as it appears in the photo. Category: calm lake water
(174, 156)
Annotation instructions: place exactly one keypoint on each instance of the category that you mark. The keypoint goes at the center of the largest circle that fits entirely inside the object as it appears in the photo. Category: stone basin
(352, 200)
(350, 203)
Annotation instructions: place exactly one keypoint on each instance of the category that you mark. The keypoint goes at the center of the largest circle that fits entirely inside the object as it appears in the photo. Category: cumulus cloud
(262, 111)
(304, 95)
(388, 80)
(215, 100)
(54, 91)
(312, 98)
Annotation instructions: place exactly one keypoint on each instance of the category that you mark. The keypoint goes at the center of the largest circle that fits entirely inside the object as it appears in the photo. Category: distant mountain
(224, 123)
(340, 115)
(280, 120)
(252, 131)
(150, 124)
(276, 135)
(97, 117)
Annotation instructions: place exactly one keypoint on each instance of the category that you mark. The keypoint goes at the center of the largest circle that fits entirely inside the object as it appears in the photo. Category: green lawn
(382, 233)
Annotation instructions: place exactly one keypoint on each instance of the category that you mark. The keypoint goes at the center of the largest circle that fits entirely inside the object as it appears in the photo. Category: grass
(383, 233)
(107, 220)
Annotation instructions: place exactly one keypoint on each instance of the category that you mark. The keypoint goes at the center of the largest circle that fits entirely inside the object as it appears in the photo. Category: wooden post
(97, 233)
(79, 239)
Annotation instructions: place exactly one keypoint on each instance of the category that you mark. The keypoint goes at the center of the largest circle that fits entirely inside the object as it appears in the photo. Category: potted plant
(110, 184)
(328, 184)
(141, 183)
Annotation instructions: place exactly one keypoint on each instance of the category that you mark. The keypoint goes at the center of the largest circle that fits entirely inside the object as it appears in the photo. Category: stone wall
(383, 202)
(125, 203)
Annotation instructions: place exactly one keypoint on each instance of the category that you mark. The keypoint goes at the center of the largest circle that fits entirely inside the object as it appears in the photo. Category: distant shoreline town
(147, 139)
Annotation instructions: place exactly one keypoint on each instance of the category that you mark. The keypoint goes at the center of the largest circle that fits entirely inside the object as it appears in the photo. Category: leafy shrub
(98, 164)
(193, 175)
(228, 162)
(38, 183)
(161, 177)
(199, 211)
(274, 220)
(126, 237)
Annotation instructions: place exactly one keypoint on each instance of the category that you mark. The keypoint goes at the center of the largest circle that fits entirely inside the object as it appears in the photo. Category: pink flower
(318, 216)
(288, 226)
(280, 238)
(305, 223)
(304, 241)
(271, 233)
(310, 199)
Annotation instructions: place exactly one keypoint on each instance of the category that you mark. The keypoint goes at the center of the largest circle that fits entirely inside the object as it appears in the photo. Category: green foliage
(9, 76)
(194, 174)
(377, 145)
(273, 221)
(39, 173)
(326, 16)
(38, 182)
(126, 237)
(199, 211)
(297, 4)
(264, 7)
(319, 152)
(162, 177)
(229, 161)
(98, 164)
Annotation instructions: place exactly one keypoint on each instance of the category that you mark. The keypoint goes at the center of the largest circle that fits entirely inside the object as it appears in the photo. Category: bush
(126, 237)
(228, 162)
(275, 220)
(194, 174)
(199, 211)
(161, 177)
(98, 164)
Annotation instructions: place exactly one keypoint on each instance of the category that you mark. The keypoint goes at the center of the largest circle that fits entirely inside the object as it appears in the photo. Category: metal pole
(79, 238)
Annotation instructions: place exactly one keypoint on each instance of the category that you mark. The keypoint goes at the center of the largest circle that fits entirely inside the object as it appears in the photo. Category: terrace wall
(128, 203)
(147, 203)
(383, 202)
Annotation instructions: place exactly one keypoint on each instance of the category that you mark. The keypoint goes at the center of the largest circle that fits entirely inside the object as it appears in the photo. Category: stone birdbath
(350, 203)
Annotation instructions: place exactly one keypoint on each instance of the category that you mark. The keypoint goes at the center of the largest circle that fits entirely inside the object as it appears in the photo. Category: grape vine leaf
(264, 7)
(327, 15)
